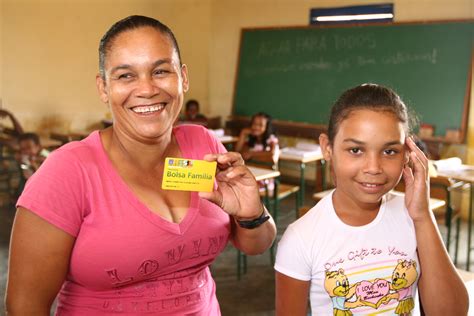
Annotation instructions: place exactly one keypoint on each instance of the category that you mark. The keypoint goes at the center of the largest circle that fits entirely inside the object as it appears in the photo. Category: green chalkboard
(297, 73)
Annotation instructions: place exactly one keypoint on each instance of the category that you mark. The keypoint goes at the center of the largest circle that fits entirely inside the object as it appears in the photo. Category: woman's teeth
(148, 108)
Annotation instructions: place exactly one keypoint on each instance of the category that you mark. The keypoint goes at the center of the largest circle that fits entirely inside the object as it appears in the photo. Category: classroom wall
(228, 17)
(50, 58)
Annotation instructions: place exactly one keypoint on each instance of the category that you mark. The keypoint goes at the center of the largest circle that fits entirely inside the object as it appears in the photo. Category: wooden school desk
(228, 141)
(320, 173)
(465, 173)
(263, 174)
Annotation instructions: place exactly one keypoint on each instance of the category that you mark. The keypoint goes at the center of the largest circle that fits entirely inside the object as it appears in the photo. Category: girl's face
(144, 83)
(259, 126)
(367, 156)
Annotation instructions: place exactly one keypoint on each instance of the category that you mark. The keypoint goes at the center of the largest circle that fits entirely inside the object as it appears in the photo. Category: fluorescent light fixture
(372, 13)
(354, 17)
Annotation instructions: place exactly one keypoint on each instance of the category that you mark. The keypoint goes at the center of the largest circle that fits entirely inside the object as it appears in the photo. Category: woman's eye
(354, 150)
(125, 76)
(160, 72)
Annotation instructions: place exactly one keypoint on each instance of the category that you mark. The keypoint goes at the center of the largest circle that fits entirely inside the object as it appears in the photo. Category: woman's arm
(38, 264)
(254, 241)
(291, 296)
(238, 195)
(442, 291)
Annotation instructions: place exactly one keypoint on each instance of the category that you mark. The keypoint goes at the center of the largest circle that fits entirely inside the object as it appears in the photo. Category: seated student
(31, 154)
(192, 115)
(259, 142)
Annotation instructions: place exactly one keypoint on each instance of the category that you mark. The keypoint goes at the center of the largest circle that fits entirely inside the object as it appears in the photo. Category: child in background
(31, 154)
(258, 142)
(362, 250)
(192, 115)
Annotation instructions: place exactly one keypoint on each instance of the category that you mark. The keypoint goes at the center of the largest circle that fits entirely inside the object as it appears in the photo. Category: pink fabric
(404, 293)
(127, 259)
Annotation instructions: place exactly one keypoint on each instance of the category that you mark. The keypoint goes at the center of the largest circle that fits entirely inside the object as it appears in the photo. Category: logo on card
(183, 163)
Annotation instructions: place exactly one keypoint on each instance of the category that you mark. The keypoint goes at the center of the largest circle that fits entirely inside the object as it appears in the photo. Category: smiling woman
(109, 238)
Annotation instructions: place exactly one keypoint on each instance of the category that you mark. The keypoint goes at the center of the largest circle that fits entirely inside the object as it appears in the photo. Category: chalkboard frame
(467, 95)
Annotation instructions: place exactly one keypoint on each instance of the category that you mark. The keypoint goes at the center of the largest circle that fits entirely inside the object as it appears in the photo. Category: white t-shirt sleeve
(293, 257)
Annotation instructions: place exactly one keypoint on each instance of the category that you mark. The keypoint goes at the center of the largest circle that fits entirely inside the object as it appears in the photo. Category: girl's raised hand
(415, 175)
(237, 191)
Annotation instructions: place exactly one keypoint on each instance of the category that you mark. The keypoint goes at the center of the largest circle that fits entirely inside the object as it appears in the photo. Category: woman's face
(259, 126)
(144, 83)
(367, 155)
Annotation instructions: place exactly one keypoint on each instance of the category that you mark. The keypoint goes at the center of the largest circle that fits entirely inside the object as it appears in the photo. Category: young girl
(362, 250)
(258, 142)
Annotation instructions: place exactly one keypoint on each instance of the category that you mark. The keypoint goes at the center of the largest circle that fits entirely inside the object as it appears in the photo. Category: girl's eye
(354, 150)
(390, 152)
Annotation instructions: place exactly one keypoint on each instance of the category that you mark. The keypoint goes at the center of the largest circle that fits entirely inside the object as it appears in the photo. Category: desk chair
(9, 180)
(214, 122)
(271, 197)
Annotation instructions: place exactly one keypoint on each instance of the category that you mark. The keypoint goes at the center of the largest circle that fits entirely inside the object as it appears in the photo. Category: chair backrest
(214, 122)
(439, 188)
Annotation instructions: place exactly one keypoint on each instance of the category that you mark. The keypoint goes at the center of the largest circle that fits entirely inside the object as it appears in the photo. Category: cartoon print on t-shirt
(403, 277)
(337, 286)
(373, 293)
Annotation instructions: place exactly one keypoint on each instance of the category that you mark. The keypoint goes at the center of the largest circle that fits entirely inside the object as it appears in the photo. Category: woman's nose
(147, 87)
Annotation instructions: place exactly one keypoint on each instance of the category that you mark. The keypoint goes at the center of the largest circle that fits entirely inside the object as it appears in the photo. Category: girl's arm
(291, 295)
(240, 146)
(38, 264)
(442, 291)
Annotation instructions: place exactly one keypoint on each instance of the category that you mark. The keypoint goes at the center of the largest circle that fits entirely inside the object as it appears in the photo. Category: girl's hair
(130, 23)
(269, 130)
(372, 97)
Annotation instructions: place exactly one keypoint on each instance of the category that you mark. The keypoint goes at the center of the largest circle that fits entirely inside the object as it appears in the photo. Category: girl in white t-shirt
(362, 250)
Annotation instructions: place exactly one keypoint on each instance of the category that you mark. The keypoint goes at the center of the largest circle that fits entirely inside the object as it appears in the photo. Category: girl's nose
(373, 164)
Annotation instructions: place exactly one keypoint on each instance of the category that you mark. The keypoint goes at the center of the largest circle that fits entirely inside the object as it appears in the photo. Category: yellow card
(188, 175)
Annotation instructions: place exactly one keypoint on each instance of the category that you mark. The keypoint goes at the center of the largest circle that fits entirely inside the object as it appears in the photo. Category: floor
(252, 295)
